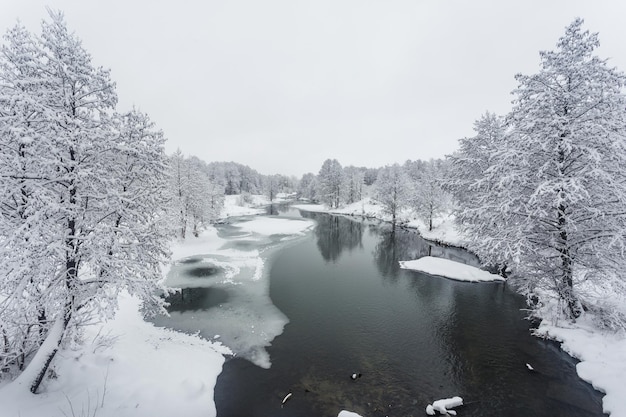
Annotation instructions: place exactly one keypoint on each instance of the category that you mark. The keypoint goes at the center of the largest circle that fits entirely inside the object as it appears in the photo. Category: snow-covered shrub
(608, 318)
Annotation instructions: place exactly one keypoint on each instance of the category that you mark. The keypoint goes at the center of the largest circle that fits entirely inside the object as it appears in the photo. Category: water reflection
(335, 234)
(394, 246)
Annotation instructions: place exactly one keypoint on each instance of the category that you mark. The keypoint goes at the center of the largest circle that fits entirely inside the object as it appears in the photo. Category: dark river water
(414, 338)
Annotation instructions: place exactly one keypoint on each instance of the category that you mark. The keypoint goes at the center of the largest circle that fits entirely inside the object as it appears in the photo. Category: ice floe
(449, 269)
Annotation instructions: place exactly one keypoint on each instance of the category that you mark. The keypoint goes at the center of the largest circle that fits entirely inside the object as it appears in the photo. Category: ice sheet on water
(276, 226)
(247, 321)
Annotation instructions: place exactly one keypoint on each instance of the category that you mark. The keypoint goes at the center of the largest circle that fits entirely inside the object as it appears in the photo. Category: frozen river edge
(602, 353)
(127, 366)
(114, 370)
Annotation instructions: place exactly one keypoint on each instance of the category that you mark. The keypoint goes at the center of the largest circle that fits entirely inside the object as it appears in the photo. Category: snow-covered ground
(602, 355)
(596, 338)
(449, 269)
(127, 366)
(235, 206)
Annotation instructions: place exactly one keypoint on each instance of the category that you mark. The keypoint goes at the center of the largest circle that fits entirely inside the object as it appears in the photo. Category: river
(413, 338)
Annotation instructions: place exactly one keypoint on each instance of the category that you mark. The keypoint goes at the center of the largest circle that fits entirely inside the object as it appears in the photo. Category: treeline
(416, 185)
(236, 178)
(196, 190)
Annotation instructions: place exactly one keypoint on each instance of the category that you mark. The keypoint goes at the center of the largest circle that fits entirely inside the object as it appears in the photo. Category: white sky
(282, 85)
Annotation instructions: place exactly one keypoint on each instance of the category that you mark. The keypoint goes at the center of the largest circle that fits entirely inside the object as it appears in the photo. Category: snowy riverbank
(602, 352)
(126, 366)
(443, 232)
(600, 348)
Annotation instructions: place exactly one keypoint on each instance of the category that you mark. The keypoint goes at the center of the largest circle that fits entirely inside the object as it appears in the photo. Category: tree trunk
(36, 370)
(566, 281)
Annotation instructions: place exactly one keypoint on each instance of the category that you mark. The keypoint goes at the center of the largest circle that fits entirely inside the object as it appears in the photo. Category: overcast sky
(282, 85)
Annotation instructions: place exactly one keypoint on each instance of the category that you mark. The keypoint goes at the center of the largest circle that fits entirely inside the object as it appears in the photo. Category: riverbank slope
(126, 366)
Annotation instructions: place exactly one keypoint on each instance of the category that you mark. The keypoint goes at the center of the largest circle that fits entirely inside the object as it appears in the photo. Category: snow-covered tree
(179, 199)
(468, 165)
(393, 190)
(430, 199)
(331, 183)
(272, 184)
(235, 178)
(195, 200)
(370, 175)
(558, 187)
(354, 179)
(307, 187)
(82, 197)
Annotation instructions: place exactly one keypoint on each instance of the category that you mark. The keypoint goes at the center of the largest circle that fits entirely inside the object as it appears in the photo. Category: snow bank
(128, 367)
(207, 242)
(444, 231)
(449, 269)
(367, 207)
(602, 355)
(234, 206)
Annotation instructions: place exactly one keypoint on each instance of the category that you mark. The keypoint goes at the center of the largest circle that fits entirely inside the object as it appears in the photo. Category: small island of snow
(449, 269)
(444, 406)
(345, 413)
